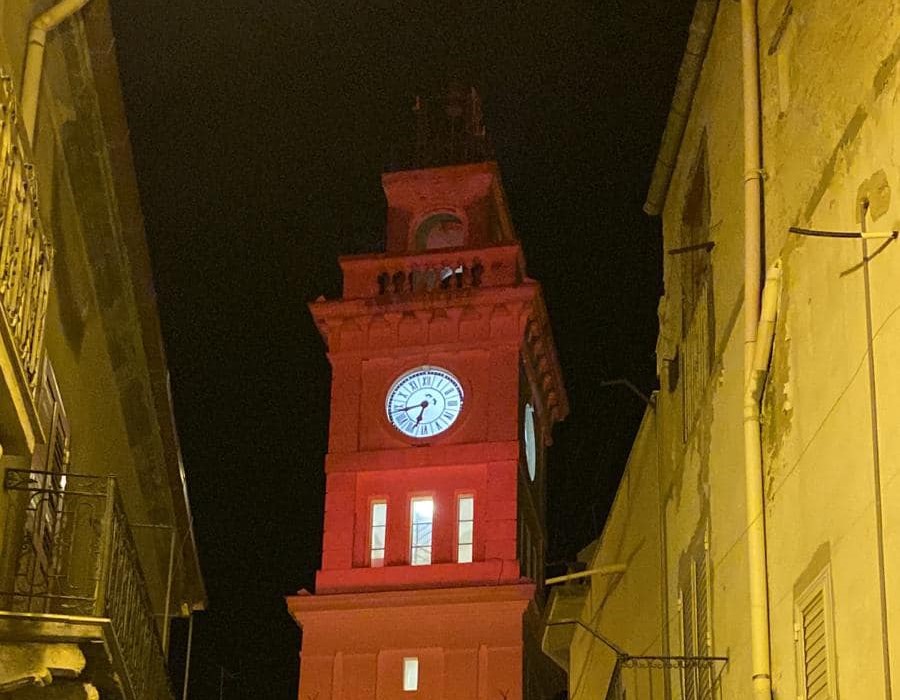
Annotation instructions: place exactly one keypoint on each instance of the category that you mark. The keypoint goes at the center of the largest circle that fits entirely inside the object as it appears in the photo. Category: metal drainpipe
(663, 547)
(756, 356)
(876, 458)
(34, 57)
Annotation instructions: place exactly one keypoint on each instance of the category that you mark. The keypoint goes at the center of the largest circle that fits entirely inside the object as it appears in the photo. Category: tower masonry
(445, 388)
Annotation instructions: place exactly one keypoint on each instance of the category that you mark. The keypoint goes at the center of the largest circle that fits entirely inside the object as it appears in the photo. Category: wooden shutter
(696, 627)
(813, 634)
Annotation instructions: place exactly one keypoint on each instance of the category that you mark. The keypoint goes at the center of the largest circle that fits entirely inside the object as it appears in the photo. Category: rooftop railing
(70, 561)
(26, 255)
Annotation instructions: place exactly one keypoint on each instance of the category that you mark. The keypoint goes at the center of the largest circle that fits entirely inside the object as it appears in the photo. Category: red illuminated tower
(445, 390)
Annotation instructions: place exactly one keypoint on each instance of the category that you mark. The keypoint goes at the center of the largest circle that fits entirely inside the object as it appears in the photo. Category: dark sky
(260, 130)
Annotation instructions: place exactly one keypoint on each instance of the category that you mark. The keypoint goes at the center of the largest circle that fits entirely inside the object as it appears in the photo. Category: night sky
(260, 131)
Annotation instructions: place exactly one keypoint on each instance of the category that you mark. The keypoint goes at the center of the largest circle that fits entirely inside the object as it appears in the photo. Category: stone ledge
(36, 665)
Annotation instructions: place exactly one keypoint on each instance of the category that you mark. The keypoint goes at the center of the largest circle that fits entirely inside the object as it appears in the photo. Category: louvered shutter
(50, 464)
(704, 630)
(688, 633)
(813, 632)
(815, 660)
(696, 626)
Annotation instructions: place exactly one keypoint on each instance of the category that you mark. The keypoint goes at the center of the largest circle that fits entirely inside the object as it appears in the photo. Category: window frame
(412, 531)
(460, 497)
(371, 533)
(410, 674)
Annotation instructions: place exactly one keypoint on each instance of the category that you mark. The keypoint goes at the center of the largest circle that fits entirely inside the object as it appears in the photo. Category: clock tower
(445, 389)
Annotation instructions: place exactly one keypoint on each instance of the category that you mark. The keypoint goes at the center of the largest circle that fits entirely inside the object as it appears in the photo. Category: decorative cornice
(483, 316)
(543, 369)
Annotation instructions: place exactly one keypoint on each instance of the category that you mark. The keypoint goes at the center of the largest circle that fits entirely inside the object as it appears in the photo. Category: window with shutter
(813, 633)
(696, 627)
(44, 514)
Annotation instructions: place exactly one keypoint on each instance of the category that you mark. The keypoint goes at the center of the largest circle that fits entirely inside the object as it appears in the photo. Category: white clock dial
(424, 402)
(530, 441)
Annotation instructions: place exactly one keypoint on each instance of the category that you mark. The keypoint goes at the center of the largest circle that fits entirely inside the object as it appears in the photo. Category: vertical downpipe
(876, 458)
(756, 528)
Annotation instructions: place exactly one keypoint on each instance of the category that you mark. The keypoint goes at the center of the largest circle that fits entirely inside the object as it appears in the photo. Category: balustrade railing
(431, 272)
(71, 553)
(26, 256)
(666, 678)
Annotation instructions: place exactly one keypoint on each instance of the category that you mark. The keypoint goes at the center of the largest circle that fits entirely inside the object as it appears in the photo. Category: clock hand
(422, 405)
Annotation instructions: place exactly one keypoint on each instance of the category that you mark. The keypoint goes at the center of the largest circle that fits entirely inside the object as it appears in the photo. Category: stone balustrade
(438, 272)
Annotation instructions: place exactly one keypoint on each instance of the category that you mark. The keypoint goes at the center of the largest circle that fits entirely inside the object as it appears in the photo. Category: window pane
(422, 510)
(464, 554)
(466, 508)
(421, 515)
(421, 534)
(378, 534)
(465, 532)
(421, 556)
(411, 673)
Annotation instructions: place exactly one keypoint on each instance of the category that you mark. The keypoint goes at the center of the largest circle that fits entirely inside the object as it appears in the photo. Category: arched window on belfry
(442, 230)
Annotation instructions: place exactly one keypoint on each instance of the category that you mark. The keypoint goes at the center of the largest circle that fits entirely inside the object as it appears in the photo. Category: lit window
(465, 539)
(379, 529)
(411, 673)
(421, 519)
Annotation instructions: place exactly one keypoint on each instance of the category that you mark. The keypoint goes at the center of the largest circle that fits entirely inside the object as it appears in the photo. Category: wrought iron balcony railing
(666, 678)
(26, 256)
(645, 677)
(69, 569)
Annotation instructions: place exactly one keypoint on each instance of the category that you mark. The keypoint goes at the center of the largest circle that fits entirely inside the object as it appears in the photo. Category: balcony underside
(106, 665)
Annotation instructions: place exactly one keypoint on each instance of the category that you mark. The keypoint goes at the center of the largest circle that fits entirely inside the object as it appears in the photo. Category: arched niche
(440, 230)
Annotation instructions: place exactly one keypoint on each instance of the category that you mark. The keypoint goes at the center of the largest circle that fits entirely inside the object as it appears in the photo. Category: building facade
(445, 389)
(96, 542)
(752, 549)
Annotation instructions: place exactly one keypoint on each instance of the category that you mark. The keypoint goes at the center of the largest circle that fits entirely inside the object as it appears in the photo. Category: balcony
(26, 259)
(69, 572)
(442, 272)
(667, 677)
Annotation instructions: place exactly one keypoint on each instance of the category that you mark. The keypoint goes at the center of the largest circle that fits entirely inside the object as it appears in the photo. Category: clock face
(530, 441)
(424, 402)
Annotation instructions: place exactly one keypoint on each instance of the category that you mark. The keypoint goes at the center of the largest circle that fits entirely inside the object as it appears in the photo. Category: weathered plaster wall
(831, 129)
(630, 537)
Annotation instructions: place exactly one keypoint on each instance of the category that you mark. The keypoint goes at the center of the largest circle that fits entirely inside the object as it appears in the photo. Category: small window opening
(421, 520)
(466, 534)
(411, 673)
(378, 533)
